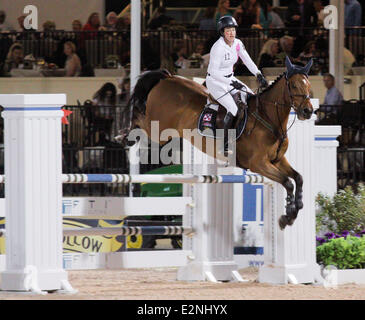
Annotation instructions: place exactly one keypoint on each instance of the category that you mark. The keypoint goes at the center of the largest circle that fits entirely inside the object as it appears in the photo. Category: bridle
(291, 95)
(280, 133)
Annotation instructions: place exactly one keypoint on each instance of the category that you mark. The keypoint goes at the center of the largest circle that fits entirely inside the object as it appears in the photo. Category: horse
(177, 102)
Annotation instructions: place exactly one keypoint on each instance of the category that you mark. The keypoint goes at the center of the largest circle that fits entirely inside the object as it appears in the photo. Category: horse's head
(298, 87)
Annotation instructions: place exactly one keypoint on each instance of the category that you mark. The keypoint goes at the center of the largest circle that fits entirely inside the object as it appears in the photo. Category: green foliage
(345, 211)
(344, 253)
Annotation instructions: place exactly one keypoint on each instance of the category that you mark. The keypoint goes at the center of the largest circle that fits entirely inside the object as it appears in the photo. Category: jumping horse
(177, 103)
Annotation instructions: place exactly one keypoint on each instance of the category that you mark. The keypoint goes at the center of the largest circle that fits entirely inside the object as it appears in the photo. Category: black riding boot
(228, 120)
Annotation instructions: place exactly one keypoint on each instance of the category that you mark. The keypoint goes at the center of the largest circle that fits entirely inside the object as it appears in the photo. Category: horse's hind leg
(270, 171)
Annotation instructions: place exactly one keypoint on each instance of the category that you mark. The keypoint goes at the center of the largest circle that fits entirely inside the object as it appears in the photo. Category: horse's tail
(137, 101)
(143, 87)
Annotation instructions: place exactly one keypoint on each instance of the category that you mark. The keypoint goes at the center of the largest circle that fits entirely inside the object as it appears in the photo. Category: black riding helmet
(226, 22)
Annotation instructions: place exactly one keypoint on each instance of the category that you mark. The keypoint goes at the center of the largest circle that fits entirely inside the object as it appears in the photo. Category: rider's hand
(262, 81)
(235, 84)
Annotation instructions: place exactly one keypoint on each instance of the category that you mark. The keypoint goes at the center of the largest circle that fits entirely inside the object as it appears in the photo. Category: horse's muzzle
(307, 113)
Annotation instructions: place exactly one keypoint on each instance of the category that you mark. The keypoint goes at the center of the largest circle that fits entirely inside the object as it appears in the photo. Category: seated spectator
(106, 95)
(4, 26)
(268, 54)
(161, 20)
(208, 22)
(14, 58)
(179, 55)
(320, 11)
(246, 13)
(92, 24)
(286, 44)
(198, 55)
(223, 9)
(49, 26)
(48, 30)
(26, 34)
(103, 115)
(333, 95)
(76, 26)
(111, 21)
(73, 63)
(308, 53)
(125, 88)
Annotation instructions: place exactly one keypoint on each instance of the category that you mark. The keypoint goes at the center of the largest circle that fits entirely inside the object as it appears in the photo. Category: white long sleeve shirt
(223, 57)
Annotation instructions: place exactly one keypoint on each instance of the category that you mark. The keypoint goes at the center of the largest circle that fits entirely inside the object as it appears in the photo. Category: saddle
(207, 126)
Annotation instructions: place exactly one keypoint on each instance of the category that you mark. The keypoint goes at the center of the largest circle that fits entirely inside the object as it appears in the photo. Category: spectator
(49, 26)
(333, 95)
(111, 21)
(104, 99)
(4, 26)
(106, 95)
(286, 44)
(125, 87)
(308, 52)
(301, 14)
(208, 23)
(161, 20)
(268, 53)
(246, 14)
(223, 10)
(265, 18)
(92, 24)
(353, 15)
(76, 26)
(320, 11)
(73, 63)
(179, 55)
(276, 21)
(14, 58)
(21, 22)
(348, 61)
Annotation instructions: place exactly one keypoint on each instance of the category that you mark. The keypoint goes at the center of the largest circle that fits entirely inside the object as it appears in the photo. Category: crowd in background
(299, 43)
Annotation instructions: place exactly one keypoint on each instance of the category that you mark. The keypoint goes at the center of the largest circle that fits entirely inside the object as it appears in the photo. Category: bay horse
(177, 102)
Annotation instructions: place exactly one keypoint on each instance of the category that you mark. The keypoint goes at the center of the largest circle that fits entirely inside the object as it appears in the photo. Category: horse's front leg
(284, 166)
(270, 171)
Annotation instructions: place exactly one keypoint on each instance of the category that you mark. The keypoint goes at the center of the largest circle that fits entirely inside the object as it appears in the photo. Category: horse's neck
(274, 104)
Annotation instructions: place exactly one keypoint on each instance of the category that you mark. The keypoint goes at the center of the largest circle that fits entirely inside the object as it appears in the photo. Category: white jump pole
(33, 165)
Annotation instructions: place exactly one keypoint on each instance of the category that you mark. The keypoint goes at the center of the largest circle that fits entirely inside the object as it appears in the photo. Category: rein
(280, 133)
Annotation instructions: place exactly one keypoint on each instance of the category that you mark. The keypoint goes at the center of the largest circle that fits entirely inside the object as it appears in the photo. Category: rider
(220, 81)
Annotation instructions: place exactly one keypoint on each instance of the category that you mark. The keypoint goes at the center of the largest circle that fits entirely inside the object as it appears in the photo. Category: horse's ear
(308, 66)
(288, 64)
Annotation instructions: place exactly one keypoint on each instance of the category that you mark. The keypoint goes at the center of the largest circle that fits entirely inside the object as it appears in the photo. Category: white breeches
(218, 89)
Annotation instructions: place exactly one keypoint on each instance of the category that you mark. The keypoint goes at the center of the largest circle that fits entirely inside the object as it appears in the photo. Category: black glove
(262, 81)
(235, 84)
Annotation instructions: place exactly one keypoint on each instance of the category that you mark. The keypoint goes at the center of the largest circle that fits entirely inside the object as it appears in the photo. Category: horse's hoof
(291, 210)
(290, 221)
(283, 222)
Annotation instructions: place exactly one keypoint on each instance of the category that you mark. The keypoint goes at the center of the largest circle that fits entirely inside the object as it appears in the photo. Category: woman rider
(220, 79)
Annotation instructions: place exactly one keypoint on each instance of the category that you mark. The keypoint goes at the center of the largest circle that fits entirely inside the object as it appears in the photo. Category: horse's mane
(273, 83)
